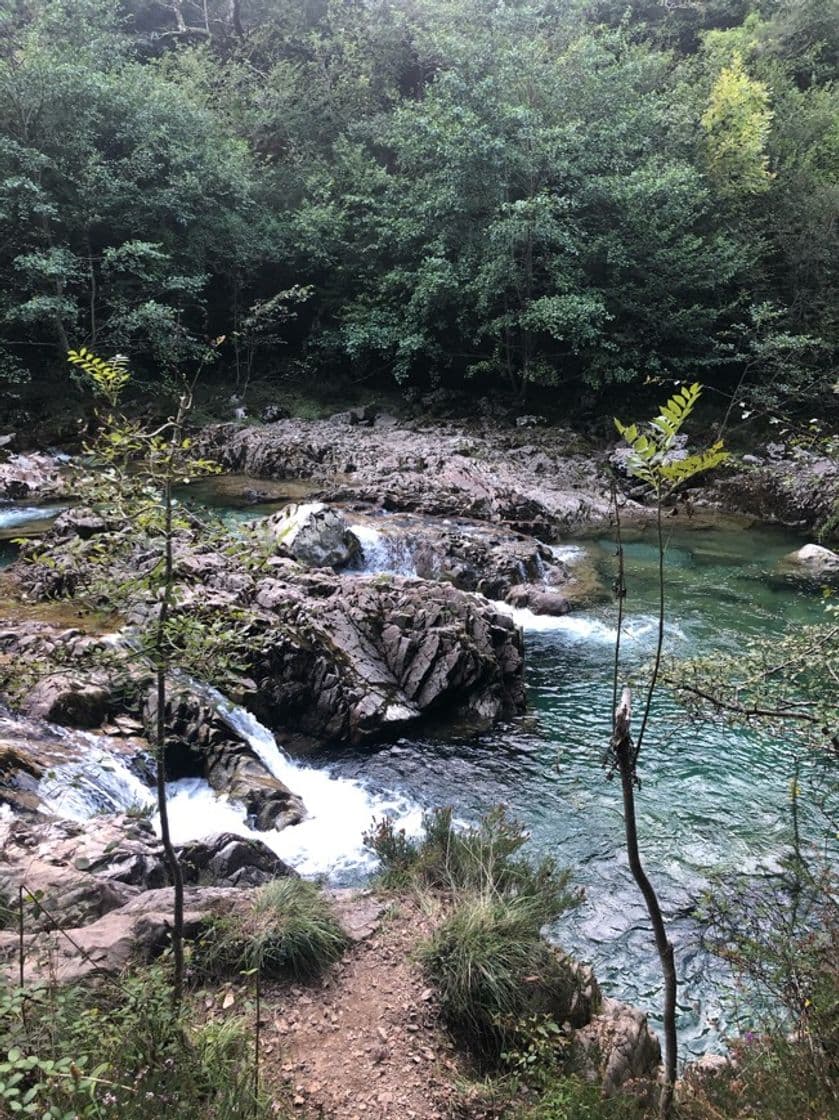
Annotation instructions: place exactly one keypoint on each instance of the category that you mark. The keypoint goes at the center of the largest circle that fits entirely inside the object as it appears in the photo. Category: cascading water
(384, 554)
(329, 841)
(98, 782)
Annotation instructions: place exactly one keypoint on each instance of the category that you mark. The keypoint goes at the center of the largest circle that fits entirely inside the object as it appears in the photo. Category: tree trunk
(625, 755)
(165, 834)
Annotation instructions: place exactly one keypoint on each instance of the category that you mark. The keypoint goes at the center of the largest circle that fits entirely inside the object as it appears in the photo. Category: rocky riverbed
(384, 604)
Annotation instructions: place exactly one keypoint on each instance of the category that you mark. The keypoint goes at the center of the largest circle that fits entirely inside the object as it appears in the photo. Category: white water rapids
(329, 841)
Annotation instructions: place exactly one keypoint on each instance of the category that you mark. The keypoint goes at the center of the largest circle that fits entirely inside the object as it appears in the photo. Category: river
(713, 800)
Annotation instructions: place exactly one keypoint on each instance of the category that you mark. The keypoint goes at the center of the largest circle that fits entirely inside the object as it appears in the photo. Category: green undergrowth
(486, 958)
(289, 931)
(118, 1050)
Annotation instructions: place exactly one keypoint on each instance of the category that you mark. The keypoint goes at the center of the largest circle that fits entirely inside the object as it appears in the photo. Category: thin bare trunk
(625, 754)
(165, 833)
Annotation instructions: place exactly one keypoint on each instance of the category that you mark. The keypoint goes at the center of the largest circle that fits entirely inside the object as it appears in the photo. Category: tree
(651, 460)
(141, 467)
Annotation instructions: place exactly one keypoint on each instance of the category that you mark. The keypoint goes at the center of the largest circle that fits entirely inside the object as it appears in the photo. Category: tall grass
(487, 959)
(289, 931)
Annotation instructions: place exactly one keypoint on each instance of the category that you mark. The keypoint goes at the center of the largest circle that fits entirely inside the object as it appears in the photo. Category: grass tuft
(289, 931)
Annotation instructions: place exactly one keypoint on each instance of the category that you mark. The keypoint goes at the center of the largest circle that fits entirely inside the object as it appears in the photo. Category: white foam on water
(584, 628)
(13, 516)
(567, 552)
(338, 810)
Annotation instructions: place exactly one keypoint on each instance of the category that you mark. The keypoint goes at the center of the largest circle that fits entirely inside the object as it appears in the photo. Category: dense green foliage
(557, 194)
(87, 1052)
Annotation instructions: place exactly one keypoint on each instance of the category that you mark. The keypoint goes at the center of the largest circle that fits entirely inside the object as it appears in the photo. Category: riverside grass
(290, 931)
(486, 959)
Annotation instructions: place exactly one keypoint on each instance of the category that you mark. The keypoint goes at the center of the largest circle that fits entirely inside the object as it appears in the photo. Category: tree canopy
(551, 196)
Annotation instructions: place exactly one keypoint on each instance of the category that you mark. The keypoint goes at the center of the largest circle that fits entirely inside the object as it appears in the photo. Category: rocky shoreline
(385, 603)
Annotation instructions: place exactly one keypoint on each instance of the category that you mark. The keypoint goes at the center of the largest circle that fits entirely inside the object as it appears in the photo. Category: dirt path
(367, 1043)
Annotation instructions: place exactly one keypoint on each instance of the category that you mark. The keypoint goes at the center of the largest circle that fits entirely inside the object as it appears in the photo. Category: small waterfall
(339, 810)
(384, 554)
(328, 842)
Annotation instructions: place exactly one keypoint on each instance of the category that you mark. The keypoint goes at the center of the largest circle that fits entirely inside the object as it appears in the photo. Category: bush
(573, 1099)
(491, 969)
(482, 857)
(290, 931)
(122, 1051)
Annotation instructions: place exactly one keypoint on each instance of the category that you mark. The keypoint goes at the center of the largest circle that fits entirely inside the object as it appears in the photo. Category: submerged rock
(812, 561)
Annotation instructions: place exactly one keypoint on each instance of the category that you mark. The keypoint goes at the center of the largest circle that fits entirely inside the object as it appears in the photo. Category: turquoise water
(713, 799)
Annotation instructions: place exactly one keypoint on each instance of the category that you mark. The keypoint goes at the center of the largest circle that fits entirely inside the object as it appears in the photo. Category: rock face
(83, 871)
(617, 1046)
(790, 485)
(139, 930)
(313, 535)
(532, 481)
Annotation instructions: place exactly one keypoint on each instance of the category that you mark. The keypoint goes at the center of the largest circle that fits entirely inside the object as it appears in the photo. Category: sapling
(140, 467)
(652, 461)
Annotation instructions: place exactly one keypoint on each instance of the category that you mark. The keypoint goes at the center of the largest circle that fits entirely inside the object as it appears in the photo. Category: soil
(367, 1043)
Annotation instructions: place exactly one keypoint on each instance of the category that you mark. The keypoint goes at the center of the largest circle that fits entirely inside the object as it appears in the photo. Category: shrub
(491, 969)
(572, 1099)
(290, 931)
(482, 857)
(93, 1053)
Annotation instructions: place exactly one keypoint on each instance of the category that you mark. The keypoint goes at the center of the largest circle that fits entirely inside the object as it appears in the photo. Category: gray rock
(314, 535)
(617, 1046)
(230, 860)
(73, 702)
(814, 560)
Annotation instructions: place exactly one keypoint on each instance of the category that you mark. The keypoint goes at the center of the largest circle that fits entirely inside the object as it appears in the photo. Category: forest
(556, 199)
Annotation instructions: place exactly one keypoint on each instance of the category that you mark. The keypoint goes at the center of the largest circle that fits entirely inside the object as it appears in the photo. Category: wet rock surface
(35, 474)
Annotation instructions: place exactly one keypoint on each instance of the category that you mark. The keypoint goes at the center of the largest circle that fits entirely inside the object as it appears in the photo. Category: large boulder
(230, 860)
(314, 535)
(78, 872)
(68, 700)
(360, 659)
